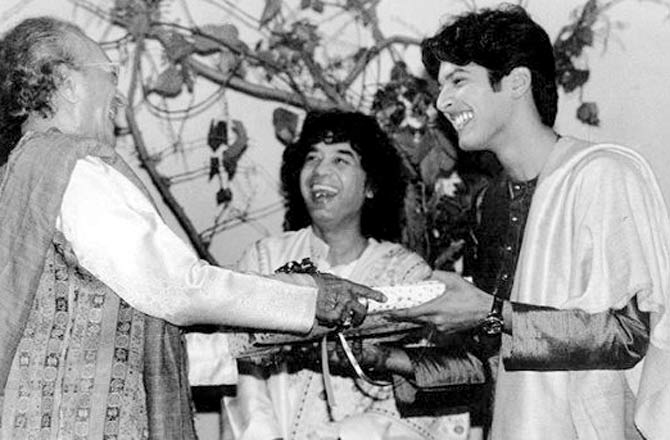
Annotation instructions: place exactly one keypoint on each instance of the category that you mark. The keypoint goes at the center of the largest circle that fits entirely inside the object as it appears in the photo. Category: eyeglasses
(110, 67)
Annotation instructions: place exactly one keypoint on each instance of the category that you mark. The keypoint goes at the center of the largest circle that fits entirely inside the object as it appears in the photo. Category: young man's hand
(462, 305)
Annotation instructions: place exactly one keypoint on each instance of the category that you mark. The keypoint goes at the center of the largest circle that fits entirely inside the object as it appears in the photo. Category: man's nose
(324, 166)
(444, 99)
(321, 167)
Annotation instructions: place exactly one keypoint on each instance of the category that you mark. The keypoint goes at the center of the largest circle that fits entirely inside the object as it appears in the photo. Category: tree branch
(147, 163)
(318, 78)
(372, 52)
(262, 92)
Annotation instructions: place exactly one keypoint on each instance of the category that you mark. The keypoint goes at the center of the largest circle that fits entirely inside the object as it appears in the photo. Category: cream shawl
(597, 235)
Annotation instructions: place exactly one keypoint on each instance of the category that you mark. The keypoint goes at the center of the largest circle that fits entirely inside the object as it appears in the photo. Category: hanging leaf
(134, 16)
(217, 135)
(573, 78)
(176, 46)
(270, 11)
(399, 72)
(303, 37)
(139, 24)
(169, 82)
(588, 113)
(435, 163)
(404, 139)
(414, 233)
(450, 254)
(441, 141)
(590, 13)
(229, 63)
(265, 57)
(286, 125)
(211, 36)
(317, 6)
(234, 153)
(427, 142)
(214, 166)
(584, 35)
(187, 75)
(224, 196)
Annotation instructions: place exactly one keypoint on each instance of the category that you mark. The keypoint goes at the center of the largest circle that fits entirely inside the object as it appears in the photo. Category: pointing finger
(365, 292)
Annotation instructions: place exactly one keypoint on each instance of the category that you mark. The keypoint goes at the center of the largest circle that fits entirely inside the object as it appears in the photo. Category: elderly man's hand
(338, 302)
(462, 305)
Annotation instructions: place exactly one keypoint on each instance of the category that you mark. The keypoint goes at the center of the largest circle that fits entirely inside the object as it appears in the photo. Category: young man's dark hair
(382, 214)
(499, 40)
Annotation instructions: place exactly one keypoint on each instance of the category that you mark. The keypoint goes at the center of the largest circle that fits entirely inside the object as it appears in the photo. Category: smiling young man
(564, 245)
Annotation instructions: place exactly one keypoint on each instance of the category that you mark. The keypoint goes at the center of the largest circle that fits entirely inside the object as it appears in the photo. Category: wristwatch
(493, 323)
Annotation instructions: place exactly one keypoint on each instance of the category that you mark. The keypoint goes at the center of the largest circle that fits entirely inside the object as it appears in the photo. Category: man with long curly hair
(344, 185)
(93, 284)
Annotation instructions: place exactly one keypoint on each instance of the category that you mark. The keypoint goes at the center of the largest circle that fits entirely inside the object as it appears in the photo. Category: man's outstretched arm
(118, 236)
(543, 338)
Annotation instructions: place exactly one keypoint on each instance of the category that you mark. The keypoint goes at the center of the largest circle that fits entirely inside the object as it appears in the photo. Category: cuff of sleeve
(528, 343)
(434, 370)
(294, 308)
(209, 360)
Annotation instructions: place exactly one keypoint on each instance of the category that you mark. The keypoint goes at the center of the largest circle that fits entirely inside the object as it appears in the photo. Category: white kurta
(293, 406)
(597, 235)
(119, 237)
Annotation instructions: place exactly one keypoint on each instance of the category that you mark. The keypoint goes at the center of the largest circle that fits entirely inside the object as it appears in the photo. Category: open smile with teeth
(323, 192)
(459, 120)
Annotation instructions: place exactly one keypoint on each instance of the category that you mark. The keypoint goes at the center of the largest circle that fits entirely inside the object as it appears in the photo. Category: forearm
(243, 300)
(435, 367)
(118, 236)
(545, 339)
(399, 362)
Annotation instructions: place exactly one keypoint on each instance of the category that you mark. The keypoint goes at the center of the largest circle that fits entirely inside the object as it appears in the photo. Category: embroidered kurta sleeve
(211, 356)
(119, 237)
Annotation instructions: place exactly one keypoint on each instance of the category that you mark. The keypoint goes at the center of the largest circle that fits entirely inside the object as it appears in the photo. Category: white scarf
(597, 234)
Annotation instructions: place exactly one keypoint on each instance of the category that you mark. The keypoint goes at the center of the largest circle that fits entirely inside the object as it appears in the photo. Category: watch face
(493, 324)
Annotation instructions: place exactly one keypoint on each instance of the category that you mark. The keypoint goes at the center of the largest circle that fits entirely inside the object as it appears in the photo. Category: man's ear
(519, 81)
(69, 88)
(369, 190)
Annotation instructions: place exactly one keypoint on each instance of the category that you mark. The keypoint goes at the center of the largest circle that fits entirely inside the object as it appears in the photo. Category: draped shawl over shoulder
(597, 235)
(31, 191)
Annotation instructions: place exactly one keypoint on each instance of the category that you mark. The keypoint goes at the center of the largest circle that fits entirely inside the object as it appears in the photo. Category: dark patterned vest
(84, 364)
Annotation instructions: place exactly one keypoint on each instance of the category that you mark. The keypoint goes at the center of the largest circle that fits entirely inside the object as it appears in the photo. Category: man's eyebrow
(453, 72)
(345, 152)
